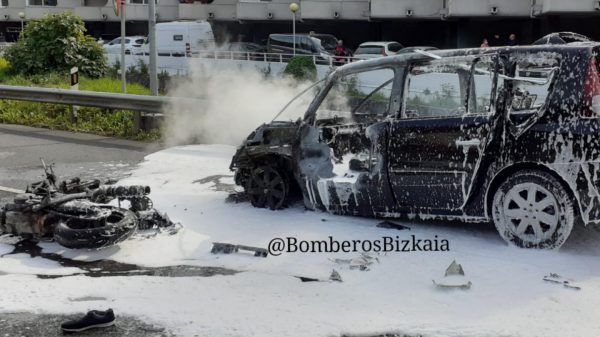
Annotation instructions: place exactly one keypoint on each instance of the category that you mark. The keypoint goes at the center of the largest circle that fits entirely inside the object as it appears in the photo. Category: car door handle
(468, 142)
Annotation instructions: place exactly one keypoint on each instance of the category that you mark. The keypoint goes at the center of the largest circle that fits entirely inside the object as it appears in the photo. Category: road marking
(10, 190)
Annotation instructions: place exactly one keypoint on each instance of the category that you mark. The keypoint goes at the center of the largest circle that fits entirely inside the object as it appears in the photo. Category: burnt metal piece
(333, 277)
(228, 248)
(558, 279)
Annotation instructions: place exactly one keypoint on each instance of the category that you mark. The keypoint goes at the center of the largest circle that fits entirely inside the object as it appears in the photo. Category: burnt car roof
(410, 57)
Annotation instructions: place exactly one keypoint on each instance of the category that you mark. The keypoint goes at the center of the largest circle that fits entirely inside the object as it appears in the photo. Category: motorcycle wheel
(77, 231)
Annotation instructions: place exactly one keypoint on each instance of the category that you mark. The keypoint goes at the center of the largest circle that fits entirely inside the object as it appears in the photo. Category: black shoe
(93, 319)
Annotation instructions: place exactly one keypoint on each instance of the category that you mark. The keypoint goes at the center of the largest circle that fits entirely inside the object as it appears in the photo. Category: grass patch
(117, 123)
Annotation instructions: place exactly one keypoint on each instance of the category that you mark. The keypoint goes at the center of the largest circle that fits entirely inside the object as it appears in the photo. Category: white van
(172, 38)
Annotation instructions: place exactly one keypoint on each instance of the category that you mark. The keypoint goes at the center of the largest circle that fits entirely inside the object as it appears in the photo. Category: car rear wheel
(267, 187)
(532, 209)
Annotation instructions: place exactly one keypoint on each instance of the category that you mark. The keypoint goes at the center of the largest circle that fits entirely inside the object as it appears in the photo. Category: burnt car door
(343, 148)
(439, 139)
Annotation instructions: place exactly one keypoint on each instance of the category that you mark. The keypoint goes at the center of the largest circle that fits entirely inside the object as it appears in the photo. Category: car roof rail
(426, 53)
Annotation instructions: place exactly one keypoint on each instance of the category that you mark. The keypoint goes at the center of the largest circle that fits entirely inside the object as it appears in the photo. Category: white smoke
(234, 103)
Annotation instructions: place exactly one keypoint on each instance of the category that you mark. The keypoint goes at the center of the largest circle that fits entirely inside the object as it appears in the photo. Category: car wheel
(532, 209)
(267, 187)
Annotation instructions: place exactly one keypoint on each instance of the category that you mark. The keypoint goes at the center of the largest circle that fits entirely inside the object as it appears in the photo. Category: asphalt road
(74, 154)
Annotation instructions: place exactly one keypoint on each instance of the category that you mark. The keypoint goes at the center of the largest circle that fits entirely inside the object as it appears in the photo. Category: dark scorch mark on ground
(104, 268)
(217, 184)
(234, 196)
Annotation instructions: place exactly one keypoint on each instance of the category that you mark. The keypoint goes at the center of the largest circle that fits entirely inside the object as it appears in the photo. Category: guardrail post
(74, 86)
(137, 122)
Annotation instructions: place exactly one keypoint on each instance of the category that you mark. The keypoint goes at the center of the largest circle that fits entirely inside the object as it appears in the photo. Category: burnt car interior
(352, 104)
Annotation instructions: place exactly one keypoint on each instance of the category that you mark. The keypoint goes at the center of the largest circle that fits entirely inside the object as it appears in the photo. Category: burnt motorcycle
(76, 213)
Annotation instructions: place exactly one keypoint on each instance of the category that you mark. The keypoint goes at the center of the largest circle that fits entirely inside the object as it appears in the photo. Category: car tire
(532, 209)
(267, 187)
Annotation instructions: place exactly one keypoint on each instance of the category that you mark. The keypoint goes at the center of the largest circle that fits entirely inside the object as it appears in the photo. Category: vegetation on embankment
(100, 121)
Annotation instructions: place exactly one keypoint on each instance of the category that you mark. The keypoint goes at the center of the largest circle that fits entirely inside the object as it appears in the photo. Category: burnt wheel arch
(283, 164)
(506, 172)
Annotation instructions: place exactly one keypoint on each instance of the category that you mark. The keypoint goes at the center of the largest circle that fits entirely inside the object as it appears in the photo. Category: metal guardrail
(148, 104)
(217, 54)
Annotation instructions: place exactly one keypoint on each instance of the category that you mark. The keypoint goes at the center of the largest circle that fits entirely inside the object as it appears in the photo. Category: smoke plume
(233, 103)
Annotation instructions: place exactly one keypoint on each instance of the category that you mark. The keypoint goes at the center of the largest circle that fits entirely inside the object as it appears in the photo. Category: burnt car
(508, 135)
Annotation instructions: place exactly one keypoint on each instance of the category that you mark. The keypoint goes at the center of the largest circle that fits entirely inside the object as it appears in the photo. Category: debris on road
(453, 278)
(558, 279)
(334, 277)
(76, 213)
(361, 262)
(228, 248)
(392, 225)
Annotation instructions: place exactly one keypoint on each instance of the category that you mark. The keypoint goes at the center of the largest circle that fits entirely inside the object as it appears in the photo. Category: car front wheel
(532, 209)
(267, 187)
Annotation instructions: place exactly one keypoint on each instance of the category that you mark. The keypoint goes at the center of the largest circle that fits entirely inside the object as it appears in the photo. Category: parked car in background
(369, 50)
(133, 45)
(413, 48)
(504, 135)
(328, 41)
(177, 38)
(305, 45)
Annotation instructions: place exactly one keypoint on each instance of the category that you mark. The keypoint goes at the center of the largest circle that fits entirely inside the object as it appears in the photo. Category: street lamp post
(152, 47)
(294, 8)
(22, 16)
(123, 68)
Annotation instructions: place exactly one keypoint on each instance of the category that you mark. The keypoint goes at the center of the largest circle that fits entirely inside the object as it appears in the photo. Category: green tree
(301, 68)
(55, 43)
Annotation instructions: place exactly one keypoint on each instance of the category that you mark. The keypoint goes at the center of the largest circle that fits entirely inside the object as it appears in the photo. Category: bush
(139, 74)
(4, 69)
(301, 68)
(56, 43)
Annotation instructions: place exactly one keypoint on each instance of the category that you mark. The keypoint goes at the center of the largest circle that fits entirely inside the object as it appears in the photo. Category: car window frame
(471, 61)
(392, 102)
(553, 77)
